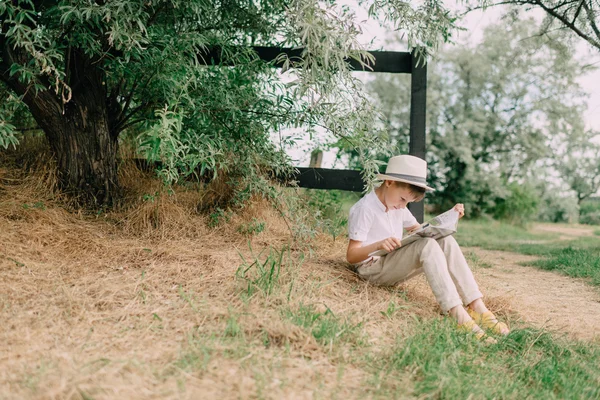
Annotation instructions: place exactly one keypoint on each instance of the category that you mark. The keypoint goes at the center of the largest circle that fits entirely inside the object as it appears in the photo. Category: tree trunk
(79, 132)
(85, 152)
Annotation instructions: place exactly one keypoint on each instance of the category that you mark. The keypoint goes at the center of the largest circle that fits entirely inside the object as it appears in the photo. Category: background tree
(89, 70)
(579, 165)
(493, 111)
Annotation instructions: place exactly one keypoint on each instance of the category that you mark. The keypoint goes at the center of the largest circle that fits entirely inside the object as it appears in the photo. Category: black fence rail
(327, 179)
(385, 61)
(395, 62)
(310, 178)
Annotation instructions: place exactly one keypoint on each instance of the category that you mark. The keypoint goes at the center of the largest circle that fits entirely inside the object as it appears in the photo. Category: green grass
(529, 363)
(498, 236)
(475, 261)
(263, 275)
(326, 327)
(429, 359)
(197, 353)
(578, 258)
(575, 262)
(434, 361)
(597, 232)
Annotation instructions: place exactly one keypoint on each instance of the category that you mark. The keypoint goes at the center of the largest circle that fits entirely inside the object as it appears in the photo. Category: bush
(592, 218)
(330, 208)
(519, 206)
(554, 208)
(589, 212)
(252, 228)
(478, 190)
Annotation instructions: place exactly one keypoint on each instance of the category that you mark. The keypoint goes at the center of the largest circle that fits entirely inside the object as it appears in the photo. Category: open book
(443, 225)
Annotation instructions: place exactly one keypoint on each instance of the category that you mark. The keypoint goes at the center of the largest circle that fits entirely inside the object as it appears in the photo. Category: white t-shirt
(369, 223)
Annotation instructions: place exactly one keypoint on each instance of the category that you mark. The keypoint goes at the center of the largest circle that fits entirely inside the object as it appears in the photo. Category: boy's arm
(357, 253)
(413, 228)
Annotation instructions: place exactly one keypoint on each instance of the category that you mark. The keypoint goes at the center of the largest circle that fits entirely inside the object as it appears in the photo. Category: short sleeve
(359, 223)
(408, 219)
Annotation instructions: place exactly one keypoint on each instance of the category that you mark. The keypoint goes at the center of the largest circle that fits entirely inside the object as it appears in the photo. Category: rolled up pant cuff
(471, 297)
(448, 305)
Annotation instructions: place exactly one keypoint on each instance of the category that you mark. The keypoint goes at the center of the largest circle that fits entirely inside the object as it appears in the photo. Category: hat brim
(385, 177)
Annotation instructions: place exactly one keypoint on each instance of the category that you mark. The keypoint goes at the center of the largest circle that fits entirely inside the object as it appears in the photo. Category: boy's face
(397, 196)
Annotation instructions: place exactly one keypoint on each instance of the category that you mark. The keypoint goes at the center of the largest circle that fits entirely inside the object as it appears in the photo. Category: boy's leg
(459, 270)
(424, 255)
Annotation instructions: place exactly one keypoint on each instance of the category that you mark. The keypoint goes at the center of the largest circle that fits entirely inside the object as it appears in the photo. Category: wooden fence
(385, 61)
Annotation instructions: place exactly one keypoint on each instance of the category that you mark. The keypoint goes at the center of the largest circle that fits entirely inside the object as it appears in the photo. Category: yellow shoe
(472, 327)
(489, 321)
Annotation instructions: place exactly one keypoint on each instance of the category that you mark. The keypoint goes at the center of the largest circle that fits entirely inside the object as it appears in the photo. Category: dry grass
(140, 302)
(147, 302)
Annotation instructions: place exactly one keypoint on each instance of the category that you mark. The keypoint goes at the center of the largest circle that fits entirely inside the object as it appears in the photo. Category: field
(573, 250)
(153, 301)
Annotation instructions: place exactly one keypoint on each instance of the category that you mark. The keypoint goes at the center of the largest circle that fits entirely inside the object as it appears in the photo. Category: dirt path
(542, 298)
(567, 232)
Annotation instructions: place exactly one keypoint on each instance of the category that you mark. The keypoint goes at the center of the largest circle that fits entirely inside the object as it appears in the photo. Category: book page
(447, 220)
(436, 228)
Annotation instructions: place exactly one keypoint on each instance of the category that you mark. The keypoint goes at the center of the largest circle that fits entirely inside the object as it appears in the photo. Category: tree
(578, 16)
(493, 111)
(90, 70)
(579, 165)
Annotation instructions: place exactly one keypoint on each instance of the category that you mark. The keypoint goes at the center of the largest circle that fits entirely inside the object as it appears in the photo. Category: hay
(143, 301)
(112, 305)
(104, 304)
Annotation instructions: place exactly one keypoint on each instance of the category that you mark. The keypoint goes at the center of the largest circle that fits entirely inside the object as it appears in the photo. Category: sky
(474, 22)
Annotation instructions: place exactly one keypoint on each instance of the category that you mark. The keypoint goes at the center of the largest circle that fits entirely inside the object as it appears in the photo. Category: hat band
(416, 179)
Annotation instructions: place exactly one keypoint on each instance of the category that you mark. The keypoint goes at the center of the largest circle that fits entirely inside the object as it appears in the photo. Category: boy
(376, 222)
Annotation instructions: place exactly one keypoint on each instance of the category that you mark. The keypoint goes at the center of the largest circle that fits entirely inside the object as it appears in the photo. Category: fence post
(316, 157)
(418, 101)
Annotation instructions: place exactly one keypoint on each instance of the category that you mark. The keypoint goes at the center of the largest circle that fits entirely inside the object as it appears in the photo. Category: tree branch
(590, 14)
(9, 56)
(123, 110)
(131, 123)
(571, 26)
(122, 123)
(552, 11)
(581, 3)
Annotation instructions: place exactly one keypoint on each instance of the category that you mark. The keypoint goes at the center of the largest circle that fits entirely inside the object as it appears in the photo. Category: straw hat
(409, 169)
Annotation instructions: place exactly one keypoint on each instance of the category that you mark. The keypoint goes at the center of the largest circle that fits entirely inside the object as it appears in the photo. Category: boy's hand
(461, 210)
(414, 228)
(389, 244)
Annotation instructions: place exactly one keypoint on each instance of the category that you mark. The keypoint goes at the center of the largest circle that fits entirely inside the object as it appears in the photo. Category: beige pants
(442, 262)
